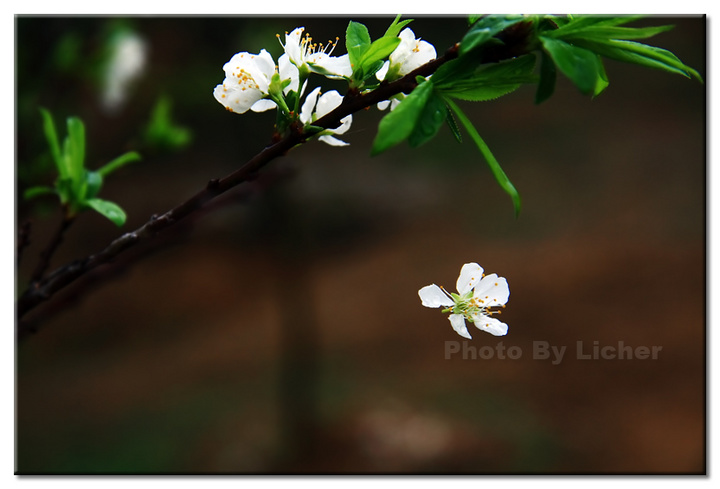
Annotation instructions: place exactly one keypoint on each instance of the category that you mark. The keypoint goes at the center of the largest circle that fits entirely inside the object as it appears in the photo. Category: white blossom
(247, 82)
(477, 295)
(307, 56)
(128, 60)
(316, 106)
(410, 54)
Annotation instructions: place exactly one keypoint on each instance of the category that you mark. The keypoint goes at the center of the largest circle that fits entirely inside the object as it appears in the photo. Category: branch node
(213, 184)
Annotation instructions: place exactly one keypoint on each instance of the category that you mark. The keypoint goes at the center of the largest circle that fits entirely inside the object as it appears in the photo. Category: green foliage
(583, 67)
(485, 29)
(497, 171)
(367, 56)
(77, 187)
(576, 47)
(161, 132)
(572, 45)
(399, 124)
(485, 82)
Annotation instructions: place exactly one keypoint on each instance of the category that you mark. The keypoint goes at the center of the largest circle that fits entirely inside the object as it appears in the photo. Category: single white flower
(477, 294)
(247, 82)
(410, 54)
(128, 61)
(313, 57)
(316, 106)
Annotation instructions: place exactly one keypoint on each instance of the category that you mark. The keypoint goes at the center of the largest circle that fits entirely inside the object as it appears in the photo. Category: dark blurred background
(280, 330)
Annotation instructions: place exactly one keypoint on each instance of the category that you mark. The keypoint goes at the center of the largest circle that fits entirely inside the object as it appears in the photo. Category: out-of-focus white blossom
(127, 62)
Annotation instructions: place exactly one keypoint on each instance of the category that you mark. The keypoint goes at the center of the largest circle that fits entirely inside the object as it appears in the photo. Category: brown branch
(23, 240)
(353, 102)
(49, 251)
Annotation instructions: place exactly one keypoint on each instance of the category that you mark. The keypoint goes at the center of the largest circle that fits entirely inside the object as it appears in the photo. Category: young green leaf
(118, 162)
(93, 183)
(497, 171)
(108, 209)
(53, 142)
(379, 50)
(396, 27)
(75, 148)
(397, 126)
(357, 41)
(33, 192)
(583, 67)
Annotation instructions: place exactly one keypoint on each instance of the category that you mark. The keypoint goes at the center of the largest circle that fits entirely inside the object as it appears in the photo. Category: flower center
(470, 306)
(245, 80)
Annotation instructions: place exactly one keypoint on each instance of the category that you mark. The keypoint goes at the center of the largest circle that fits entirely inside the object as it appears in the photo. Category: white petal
(288, 71)
(235, 98)
(383, 105)
(490, 325)
(265, 63)
(458, 324)
(262, 105)
(380, 74)
(421, 54)
(308, 106)
(328, 102)
(327, 139)
(330, 66)
(492, 291)
(433, 296)
(470, 273)
(345, 123)
(292, 46)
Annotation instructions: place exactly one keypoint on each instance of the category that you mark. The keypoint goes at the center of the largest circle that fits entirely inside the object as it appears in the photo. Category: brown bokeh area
(280, 330)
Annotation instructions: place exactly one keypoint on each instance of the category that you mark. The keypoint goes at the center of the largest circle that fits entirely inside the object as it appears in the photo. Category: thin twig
(23, 241)
(47, 254)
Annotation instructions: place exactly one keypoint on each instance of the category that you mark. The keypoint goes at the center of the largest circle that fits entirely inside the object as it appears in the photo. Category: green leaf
(379, 50)
(119, 162)
(53, 142)
(33, 192)
(548, 76)
(603, 32)
(93, 183)
(162, 133)
(489, 82)
(575, 24)
(431, 118)
(75, 148)
(485, 29)
(453, 126)
(108, 209)
(641, 54)
(357, 41)
(396, 27)
(397, 126)
(583, 67)
(497, 171)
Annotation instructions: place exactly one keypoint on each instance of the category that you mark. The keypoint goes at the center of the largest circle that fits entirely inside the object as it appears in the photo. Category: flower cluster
(254, 82)
(477, 295)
